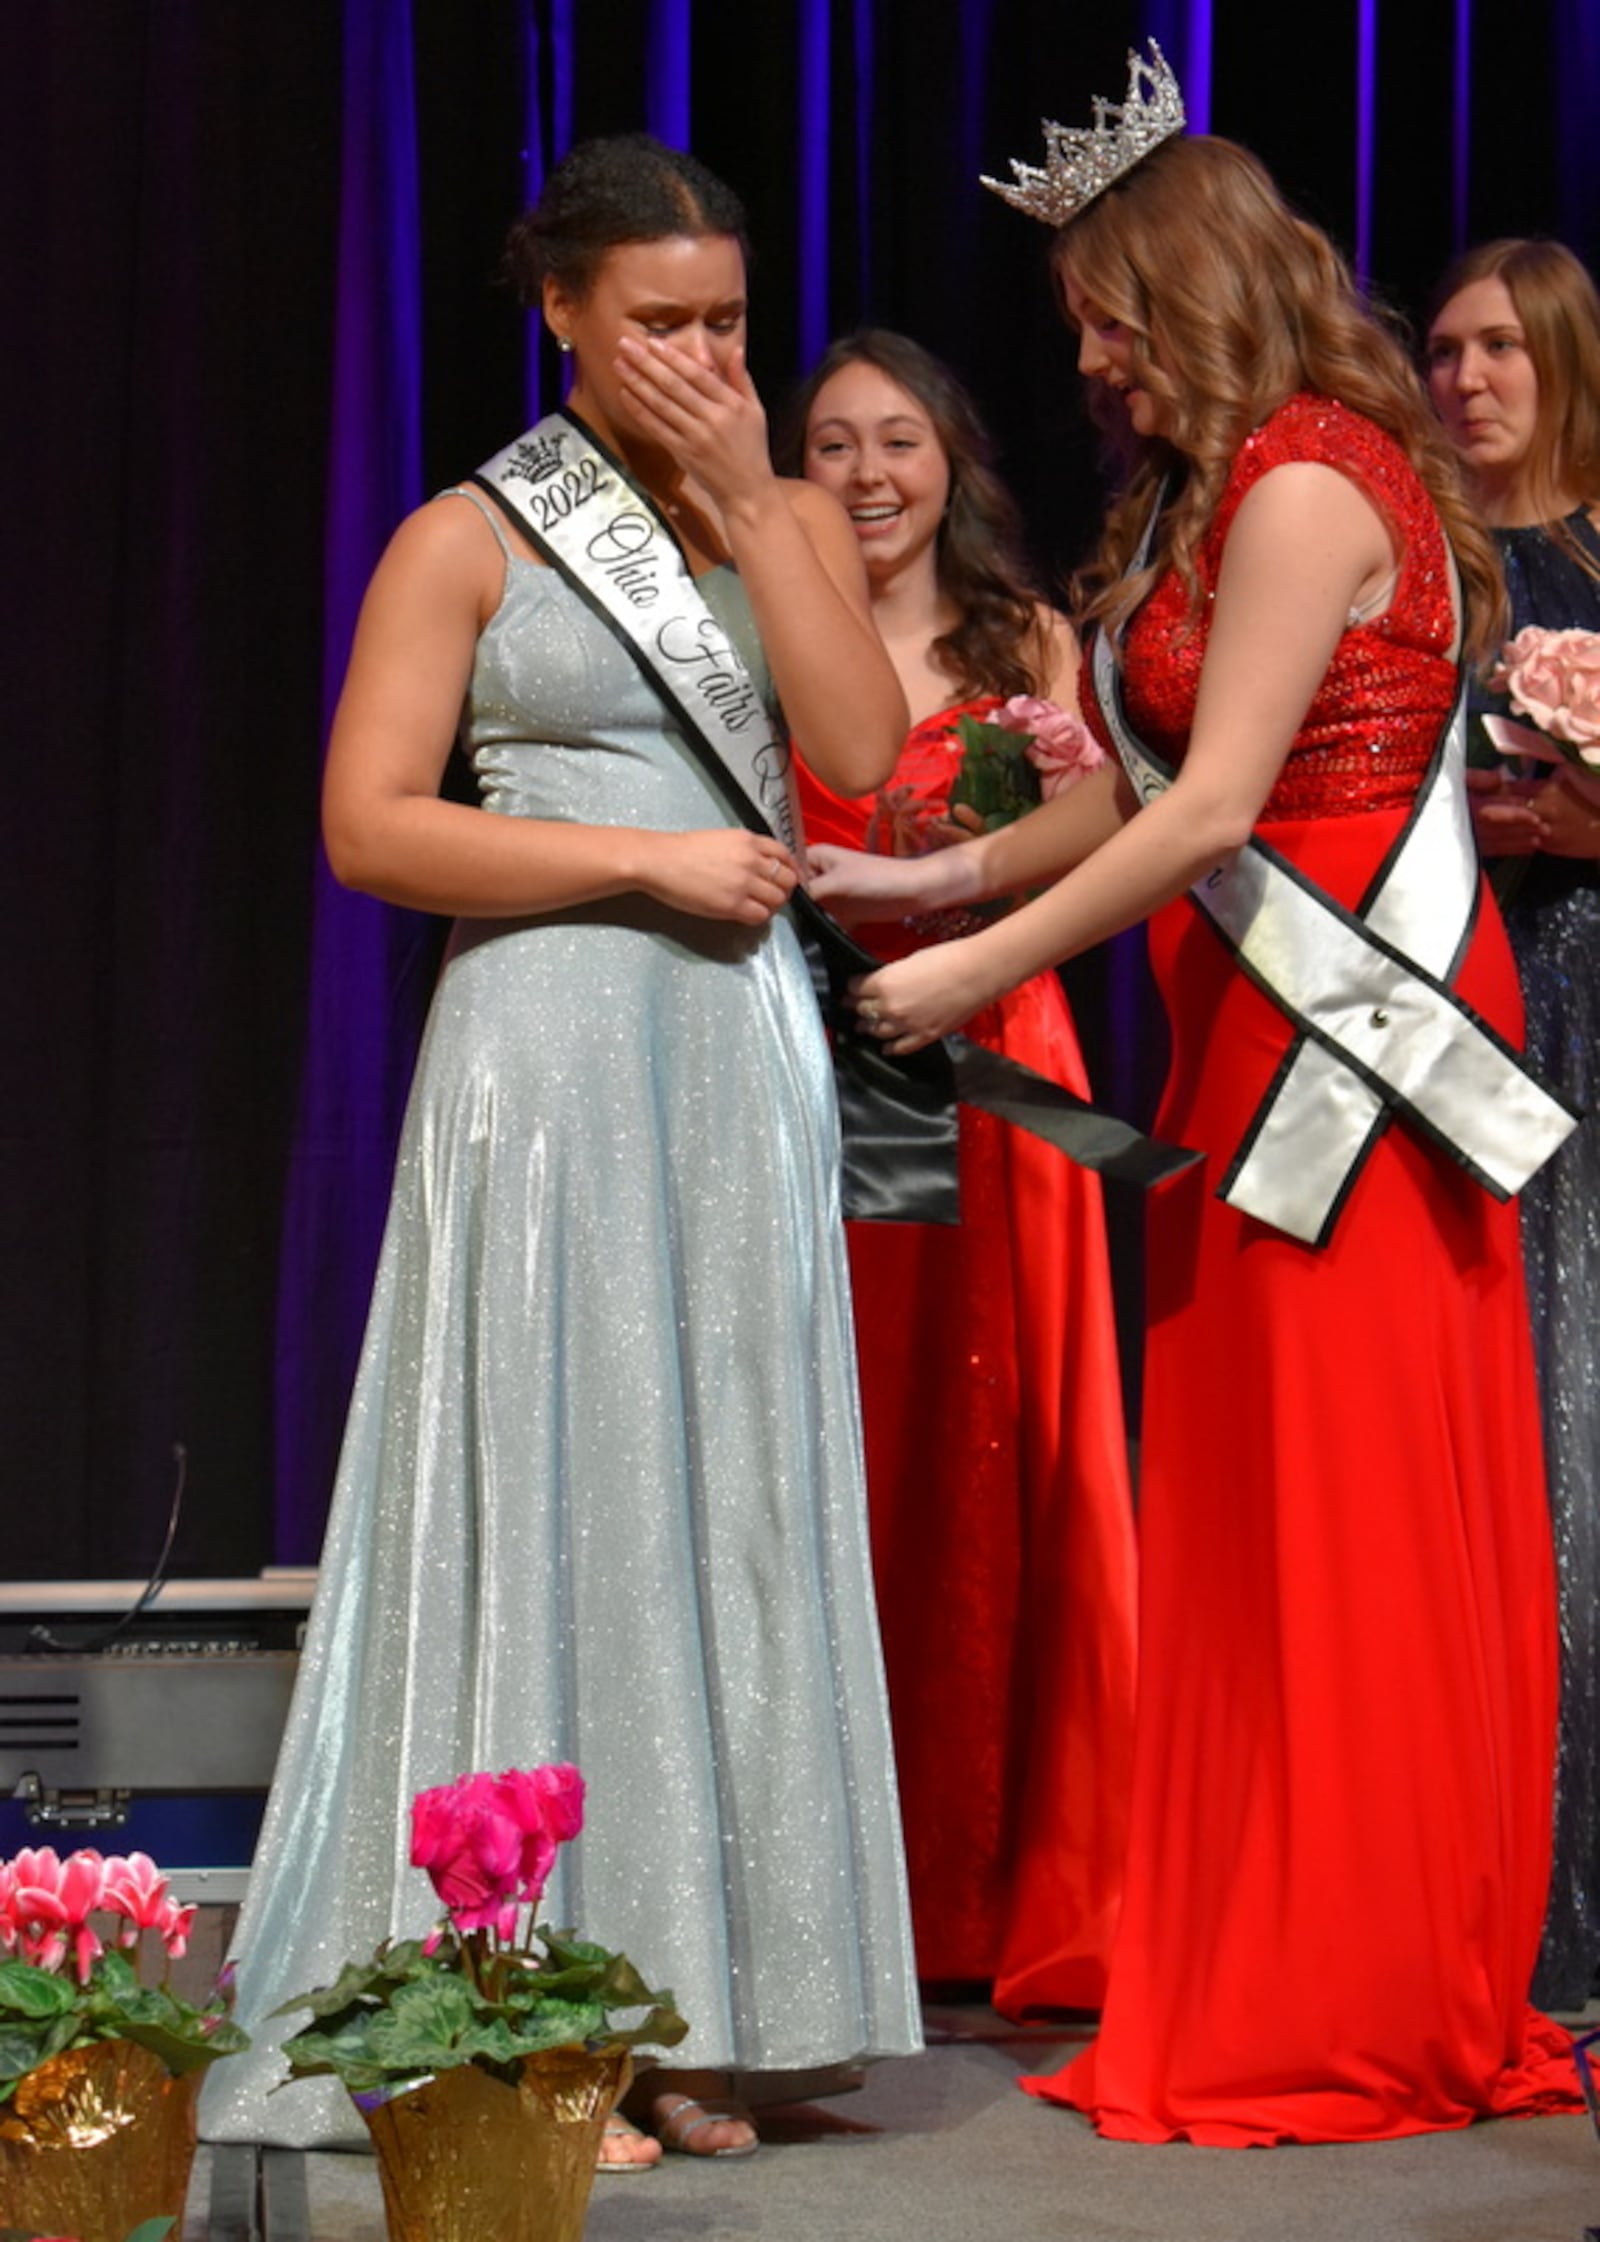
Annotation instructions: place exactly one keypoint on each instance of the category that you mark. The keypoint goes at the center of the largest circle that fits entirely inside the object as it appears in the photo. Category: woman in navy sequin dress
(1514, 370)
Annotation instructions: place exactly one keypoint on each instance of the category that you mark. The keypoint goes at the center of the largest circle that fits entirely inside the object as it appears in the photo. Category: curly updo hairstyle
(628, 187)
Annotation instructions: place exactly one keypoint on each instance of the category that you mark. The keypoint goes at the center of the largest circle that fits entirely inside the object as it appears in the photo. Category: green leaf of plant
(406, 2014)
(376, 1981)
(340, 2051)
(354, 1983)
(152, 2230)
(663, 2027)
(181, 2051)
(29, 1991)
(19, 2049)
(312, 2054)
(558, 2024)
(565, 1949)
(623, 1987)
(117, 1971)
(995, 779)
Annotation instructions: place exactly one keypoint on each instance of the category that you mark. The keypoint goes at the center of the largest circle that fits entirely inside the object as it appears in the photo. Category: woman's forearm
(1143, 864)
(463, 862)
(1051, 839)
(841, 698)
(469, 863)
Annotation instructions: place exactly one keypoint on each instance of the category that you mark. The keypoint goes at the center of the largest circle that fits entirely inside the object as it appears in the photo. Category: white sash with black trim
(1379, 1031)
(583, 512)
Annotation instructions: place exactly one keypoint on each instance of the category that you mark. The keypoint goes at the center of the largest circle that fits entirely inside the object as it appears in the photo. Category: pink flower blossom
(1061, 747)
(488, 1842)
(136, 1888)
(174, 1925)
(1553, 678)
(47, 1903)
(471, 1847)
(547, 1797)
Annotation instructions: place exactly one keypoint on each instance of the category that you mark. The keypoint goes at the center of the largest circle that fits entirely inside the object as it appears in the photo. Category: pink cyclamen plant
(474, 1991)
(70, 1961)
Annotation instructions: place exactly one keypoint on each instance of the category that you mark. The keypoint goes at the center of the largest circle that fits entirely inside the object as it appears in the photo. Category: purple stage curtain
(367, 979)
(256, 317)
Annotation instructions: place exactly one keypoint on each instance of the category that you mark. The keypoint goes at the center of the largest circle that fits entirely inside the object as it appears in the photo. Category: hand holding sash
(923, 997)
(722, 873)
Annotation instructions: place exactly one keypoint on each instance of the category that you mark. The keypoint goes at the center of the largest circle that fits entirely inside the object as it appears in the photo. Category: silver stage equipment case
(157, 1734)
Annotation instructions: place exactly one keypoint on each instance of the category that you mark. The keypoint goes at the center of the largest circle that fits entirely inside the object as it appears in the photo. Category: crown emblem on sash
(1082, 161)
(536, 458)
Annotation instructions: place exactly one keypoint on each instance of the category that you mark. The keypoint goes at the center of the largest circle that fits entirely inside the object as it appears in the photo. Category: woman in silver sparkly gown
(1514, 369)
(601, 1498)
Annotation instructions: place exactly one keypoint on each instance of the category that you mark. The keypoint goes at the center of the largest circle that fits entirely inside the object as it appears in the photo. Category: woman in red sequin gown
(996, 1460)
(1339, 1840)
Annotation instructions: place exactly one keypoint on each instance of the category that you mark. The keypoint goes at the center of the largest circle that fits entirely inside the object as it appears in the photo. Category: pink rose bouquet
(1553, 679)
(1028, 752)
(1060, 746)
(72, 1933)
(488, 1985)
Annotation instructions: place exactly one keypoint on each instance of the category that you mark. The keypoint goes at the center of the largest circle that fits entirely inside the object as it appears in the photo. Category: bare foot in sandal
(623, 2148)
(692, 2114)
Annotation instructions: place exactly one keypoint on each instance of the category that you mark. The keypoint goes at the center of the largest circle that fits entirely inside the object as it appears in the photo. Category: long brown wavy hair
(1558, 308)
(995, 645)
(1233, 304)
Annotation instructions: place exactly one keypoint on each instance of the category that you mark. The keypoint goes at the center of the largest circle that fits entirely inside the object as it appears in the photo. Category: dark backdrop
(250, 317)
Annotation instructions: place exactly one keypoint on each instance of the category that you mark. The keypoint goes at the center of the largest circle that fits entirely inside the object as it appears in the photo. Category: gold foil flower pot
(96, 2141)
(464, 2157)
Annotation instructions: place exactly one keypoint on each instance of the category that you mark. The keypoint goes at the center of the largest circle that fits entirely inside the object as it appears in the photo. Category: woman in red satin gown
(997, 1475)
(1339, 1839)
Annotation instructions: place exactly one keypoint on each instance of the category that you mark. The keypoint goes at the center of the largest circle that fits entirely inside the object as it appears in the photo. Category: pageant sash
(584, 514)
(576, 502)
(1378, 1030)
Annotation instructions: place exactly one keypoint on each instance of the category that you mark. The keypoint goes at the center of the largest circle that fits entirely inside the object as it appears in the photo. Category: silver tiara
(1081, 162)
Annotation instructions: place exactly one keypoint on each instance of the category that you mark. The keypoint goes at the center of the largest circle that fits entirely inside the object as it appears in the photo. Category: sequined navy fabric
(1367, 736)
(1553, 918)
(601, 1494)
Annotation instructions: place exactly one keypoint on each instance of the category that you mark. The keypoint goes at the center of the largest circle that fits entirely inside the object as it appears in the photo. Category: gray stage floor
(945, 2148)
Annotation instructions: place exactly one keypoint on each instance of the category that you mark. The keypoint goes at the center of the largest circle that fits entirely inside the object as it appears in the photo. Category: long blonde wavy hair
(1233, 304)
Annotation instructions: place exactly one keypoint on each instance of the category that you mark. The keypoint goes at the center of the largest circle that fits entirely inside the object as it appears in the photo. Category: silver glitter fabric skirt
(1557, 944)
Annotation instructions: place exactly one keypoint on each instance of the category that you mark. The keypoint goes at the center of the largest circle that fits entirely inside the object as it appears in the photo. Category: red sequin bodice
(1369, 733)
